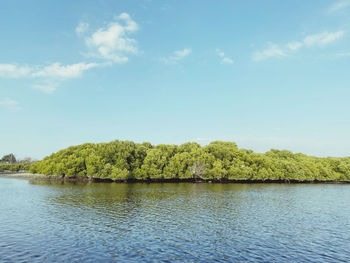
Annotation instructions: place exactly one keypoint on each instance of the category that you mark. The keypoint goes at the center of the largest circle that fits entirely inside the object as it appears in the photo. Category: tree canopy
(9, 162)
(9, 158)
(122, 160)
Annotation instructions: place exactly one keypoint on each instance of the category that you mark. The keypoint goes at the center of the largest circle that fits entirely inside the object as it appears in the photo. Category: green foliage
(218, 171)
(122, 160)
(15, 167)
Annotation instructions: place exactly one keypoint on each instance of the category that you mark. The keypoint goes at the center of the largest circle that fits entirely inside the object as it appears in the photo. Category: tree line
(123, 160)
(10, 163)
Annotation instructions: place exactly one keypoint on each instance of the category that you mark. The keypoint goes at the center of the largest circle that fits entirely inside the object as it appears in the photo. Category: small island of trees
(220, 161)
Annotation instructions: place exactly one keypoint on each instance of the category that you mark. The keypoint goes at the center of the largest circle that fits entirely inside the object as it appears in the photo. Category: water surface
(99, 222)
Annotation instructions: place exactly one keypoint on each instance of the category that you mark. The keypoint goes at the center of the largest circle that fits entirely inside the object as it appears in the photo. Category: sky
(264, 74)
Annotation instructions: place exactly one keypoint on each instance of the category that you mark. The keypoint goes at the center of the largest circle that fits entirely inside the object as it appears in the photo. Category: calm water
(43, 221)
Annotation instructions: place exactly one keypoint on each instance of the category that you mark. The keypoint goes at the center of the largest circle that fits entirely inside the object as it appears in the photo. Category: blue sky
(265, 74)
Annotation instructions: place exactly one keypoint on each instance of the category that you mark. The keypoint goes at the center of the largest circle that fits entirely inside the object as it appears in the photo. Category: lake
(99, 222)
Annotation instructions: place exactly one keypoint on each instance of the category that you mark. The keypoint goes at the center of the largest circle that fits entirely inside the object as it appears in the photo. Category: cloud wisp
(82, 28)
(316, 40)
(10, 104)
(54, 72)
(342, 55)
(223, 59)
(13, 71)
(322, 39)
(271, 51)
(177, 56)
(339, 5)
(46, 87)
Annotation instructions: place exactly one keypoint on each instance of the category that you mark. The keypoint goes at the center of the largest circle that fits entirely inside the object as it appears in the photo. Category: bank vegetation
(220, 161)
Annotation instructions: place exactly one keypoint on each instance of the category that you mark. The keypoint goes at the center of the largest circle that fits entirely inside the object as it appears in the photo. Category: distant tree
(9, 158)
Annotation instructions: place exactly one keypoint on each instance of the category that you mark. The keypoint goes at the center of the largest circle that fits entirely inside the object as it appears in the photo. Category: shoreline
(27, 175)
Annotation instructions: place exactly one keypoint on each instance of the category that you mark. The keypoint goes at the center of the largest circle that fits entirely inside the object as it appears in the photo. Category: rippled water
(43, 221)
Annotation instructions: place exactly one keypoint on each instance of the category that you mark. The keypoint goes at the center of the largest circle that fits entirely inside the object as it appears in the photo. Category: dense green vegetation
(9, 163)
(15, 167)
(120, 160)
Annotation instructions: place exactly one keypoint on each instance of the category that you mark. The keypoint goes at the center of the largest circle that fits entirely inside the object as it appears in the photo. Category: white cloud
(10, 104)
(181, 54)
(114, 42)
(49, 74)
(224, 59)
(13, 71)
(339, 5)
(46, 88)
(315, 40)
(323, 38)
(82, 28)
(272, 51)
(56, 70)
(177, 56)
(131, 25)
(344, 54)
(294, 45)
(227, 60)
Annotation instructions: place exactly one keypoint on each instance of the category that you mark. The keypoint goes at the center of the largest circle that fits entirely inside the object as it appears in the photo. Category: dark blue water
(56, 222)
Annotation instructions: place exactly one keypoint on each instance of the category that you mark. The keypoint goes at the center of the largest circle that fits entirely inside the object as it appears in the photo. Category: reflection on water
(89, 222)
